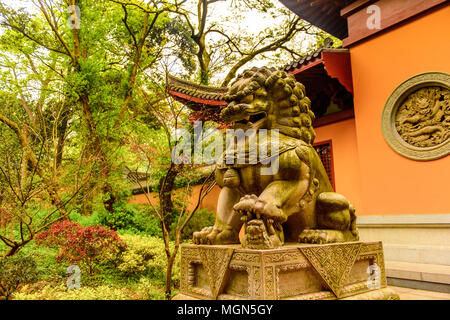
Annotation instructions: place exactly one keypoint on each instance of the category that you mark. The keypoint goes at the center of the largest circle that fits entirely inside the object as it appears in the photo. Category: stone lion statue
(294, 204)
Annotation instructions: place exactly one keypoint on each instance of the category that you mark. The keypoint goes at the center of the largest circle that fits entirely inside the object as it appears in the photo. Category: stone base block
(351, 270)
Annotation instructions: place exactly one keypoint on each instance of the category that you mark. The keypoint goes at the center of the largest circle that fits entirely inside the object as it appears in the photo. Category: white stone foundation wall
(416, 248)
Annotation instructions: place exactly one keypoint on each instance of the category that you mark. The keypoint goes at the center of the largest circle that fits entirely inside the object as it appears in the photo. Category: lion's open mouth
(252, 118)
(242, 113)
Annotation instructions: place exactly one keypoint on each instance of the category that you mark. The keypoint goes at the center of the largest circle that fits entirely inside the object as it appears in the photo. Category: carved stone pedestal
(351, 270)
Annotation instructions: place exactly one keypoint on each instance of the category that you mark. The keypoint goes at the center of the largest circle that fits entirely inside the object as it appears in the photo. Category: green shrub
(143, 290)
(146, 255)
(136, 273)
(200, 219)
(15, 271)
(121, 218)
(149, 291)
(60, 292)
(47, 267)
(132, 218)
(85, 221)
(147, 223)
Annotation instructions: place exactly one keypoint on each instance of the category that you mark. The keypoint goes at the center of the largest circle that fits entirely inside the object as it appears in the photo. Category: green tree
(94, 71)
(227, 45)
(33, 129)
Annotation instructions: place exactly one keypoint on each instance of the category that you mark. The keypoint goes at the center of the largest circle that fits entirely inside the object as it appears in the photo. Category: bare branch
(127, 26)
(55, 30)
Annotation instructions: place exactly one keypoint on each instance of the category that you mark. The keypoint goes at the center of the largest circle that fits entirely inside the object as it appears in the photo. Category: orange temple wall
(390, 183)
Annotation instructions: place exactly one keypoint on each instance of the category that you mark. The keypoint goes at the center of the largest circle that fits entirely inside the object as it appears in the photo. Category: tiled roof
(313, 56)
(195, 90)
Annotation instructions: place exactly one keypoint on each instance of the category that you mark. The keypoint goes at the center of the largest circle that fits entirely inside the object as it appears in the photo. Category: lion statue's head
(270, 99)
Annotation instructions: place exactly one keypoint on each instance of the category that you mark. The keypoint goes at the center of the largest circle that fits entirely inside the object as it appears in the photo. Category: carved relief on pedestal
(333, 263)
(257, 282)
(216, 261)
(416, 117)
(269, 283)
(318, 271)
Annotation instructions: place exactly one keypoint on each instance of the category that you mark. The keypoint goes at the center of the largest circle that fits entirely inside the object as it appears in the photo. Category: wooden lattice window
(325, 152)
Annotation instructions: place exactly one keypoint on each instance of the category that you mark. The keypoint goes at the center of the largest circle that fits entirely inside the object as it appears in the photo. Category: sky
(20, 4)
(220, 10)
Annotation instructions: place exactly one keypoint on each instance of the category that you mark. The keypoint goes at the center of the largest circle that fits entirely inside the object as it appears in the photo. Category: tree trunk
(12, 251)
(170, 262)
(62, 129)
(96, 148)
(167, 184)
(16, 248)
(85, 198)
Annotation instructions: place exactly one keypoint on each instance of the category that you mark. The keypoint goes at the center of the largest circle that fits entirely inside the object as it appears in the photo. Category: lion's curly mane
(291, 113)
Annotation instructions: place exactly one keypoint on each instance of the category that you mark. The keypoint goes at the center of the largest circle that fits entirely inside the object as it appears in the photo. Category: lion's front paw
(213, 235)
(251, 207)
(321, 236)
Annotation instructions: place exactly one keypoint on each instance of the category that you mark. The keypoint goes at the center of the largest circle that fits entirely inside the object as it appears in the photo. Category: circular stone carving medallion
(416, 117)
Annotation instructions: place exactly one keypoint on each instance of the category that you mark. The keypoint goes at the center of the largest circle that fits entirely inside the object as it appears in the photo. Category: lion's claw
(251, 207)
(213, 235)
(320, 236)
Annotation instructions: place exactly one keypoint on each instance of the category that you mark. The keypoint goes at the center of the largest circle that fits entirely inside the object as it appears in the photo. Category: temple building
(382, 106)
(389, 147)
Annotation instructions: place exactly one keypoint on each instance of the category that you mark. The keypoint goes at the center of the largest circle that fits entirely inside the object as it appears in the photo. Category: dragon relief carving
(294, 204)
(423, 119)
